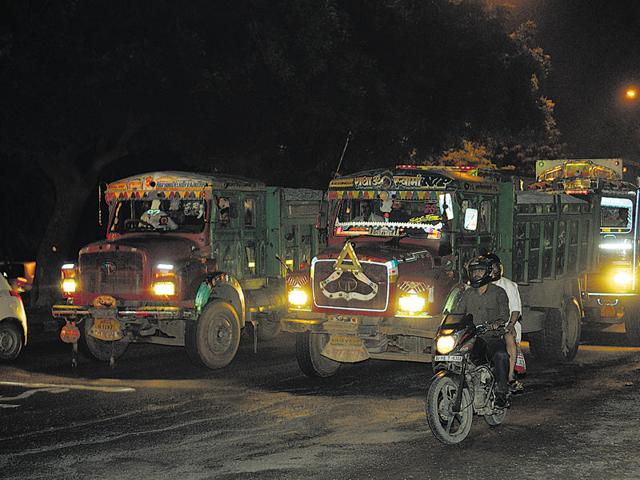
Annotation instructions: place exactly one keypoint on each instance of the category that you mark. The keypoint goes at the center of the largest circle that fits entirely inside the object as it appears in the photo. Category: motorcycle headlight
(298, 297)
(445, 343)
(412, 303)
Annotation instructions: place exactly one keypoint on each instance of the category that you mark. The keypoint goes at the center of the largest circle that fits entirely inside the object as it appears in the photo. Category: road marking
(95, 388)
(53, 388)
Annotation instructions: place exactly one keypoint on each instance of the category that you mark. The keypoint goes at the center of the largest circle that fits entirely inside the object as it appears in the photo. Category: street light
(631, 93)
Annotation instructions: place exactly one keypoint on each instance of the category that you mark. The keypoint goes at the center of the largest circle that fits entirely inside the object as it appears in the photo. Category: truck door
(252, 235)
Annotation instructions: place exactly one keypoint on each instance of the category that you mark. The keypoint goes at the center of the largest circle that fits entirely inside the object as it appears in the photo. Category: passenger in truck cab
(367, 214)
(489, 306)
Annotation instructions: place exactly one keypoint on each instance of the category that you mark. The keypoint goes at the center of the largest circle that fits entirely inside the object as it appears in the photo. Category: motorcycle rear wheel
(447, 427)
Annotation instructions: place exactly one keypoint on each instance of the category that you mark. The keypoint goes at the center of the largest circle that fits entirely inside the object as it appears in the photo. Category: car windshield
(393, 217)
(161, 215)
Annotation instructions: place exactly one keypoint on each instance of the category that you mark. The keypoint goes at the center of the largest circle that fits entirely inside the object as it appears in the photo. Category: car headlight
(412, 303)
(164, 288)
(298, 297)
(445, 343)
(69, 285)
(622, 278)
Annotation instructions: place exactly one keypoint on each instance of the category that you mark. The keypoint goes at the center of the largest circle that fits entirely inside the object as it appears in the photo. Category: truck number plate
(106, 329)
(447, 358)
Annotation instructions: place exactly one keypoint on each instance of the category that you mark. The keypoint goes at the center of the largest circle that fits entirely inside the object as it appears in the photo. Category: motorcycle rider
(513, 333)
(489, 306)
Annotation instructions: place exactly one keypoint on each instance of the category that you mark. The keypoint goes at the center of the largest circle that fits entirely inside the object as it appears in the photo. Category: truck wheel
(99, 349)
(269, 327)
(632, 325)
(559, 339)
(311, 361)
(212, 341)
(10, 341)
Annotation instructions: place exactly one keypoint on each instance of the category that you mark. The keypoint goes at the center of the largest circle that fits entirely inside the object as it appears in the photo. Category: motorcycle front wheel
(448, 427)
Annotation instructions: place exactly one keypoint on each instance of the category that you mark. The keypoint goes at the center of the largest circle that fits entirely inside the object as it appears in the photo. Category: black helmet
(497, 269)
(479, 271)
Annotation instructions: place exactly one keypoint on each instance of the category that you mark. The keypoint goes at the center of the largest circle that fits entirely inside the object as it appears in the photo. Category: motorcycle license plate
(107, 329)
(447, 358)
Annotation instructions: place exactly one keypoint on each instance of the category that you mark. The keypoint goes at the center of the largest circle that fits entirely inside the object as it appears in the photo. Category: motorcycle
(464, 383)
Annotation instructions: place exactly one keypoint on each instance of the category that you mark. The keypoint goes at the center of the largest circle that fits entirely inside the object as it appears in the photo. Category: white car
(13, 322)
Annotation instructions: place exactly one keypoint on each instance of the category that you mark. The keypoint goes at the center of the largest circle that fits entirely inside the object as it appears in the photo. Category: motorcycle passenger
(489, 306)
(513, 328)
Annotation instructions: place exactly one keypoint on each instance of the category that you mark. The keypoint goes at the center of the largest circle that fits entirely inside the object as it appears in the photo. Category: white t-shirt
(515, 304)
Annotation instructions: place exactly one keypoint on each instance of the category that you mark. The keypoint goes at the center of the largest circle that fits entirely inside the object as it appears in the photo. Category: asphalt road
(157, 416)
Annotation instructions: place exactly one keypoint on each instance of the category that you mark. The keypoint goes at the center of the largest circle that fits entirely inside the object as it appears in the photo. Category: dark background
(98, 90)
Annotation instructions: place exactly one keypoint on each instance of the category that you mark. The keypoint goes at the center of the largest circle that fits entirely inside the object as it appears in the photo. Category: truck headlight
(298, 297)
(164, 288)
(622, 279)
(69, 285)
(412, 303)
(445, 343)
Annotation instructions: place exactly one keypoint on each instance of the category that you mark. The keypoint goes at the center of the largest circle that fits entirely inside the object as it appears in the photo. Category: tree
(265, 88)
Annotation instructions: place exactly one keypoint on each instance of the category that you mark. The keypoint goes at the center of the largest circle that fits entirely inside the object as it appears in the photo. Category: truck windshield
(390, 218)
(616, 215)
(161, 215)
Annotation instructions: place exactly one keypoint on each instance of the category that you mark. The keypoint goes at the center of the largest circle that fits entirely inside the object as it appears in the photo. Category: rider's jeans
(497, 350)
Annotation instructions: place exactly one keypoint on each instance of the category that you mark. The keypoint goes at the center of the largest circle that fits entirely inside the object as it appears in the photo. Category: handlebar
(484, 328)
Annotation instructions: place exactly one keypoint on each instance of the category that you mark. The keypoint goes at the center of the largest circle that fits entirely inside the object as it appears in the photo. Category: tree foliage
(266, 88)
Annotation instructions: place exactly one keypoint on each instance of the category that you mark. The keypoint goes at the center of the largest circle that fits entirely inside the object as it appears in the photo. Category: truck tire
(311, 361)
(99, 349)
(632, 325)
(559, 339)
(10, 341)
(213, 339)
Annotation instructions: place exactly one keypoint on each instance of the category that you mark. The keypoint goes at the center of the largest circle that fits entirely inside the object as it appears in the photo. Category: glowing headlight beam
(164, 288)
(69, 285)
(298, 297)
(412, 303)
(445, 344)
(622, 278)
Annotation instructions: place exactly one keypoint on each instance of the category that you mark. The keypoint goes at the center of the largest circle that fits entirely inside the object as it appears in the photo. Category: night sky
(595, 53)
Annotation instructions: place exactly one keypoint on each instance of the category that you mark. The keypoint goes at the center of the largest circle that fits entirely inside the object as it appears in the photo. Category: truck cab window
(249, 212)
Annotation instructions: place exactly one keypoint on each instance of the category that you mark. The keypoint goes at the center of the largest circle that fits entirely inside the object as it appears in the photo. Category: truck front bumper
(78, 312)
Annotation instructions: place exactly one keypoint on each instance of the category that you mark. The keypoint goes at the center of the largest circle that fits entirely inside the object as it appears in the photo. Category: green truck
(398, 241)
(188, 260)
(610, 291)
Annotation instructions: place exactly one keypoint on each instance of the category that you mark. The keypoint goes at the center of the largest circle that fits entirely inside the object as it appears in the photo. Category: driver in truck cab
(489, 306)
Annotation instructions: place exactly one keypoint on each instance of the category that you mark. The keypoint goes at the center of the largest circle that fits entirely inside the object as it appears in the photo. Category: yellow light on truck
(164, 288)
(298, 297)
(622, 278)
(412, 303)
(445, 344)
(69, 285)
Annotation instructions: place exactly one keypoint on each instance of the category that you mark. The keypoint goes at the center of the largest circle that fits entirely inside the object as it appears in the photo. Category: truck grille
(111, 272)
(350, 291)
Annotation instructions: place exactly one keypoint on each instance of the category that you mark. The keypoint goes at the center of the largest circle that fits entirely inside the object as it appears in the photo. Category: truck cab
(188, 260)
(397, 243)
